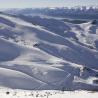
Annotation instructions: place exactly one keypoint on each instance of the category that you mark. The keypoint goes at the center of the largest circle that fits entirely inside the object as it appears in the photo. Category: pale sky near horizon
(45, 3)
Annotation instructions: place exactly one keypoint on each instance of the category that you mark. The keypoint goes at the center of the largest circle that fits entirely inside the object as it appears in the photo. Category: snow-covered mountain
(81, 12)
(42, 52)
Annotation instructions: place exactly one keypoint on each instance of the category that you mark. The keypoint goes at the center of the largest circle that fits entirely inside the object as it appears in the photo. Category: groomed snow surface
(47, 53)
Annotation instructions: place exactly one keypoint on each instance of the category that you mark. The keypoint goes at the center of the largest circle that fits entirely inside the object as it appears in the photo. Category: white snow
(47, 54)
(46, 94)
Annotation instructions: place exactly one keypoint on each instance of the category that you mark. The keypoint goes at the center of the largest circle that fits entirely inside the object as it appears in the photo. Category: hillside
(47, 53)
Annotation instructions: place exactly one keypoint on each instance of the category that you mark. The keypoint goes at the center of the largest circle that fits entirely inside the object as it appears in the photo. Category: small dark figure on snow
(94, 22)
(7, 93)
(36, 45)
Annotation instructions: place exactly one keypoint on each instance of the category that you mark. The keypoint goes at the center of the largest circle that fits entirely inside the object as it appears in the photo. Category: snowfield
(48, 53)
(9, 93)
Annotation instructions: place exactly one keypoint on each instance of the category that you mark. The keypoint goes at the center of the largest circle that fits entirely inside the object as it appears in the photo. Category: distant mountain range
(75, 12)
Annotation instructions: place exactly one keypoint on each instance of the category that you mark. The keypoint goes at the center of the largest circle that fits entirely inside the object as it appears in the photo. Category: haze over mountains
(42, 49)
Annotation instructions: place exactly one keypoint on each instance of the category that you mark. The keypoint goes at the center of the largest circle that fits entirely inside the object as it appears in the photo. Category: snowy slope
(42, 53)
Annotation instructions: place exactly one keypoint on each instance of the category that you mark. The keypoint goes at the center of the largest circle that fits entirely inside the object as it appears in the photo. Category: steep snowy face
(41, 52)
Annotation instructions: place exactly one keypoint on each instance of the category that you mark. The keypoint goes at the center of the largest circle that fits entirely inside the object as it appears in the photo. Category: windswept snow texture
(39, 52)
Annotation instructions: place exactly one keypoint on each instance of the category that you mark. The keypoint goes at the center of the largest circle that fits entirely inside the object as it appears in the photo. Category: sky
(45, 3)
